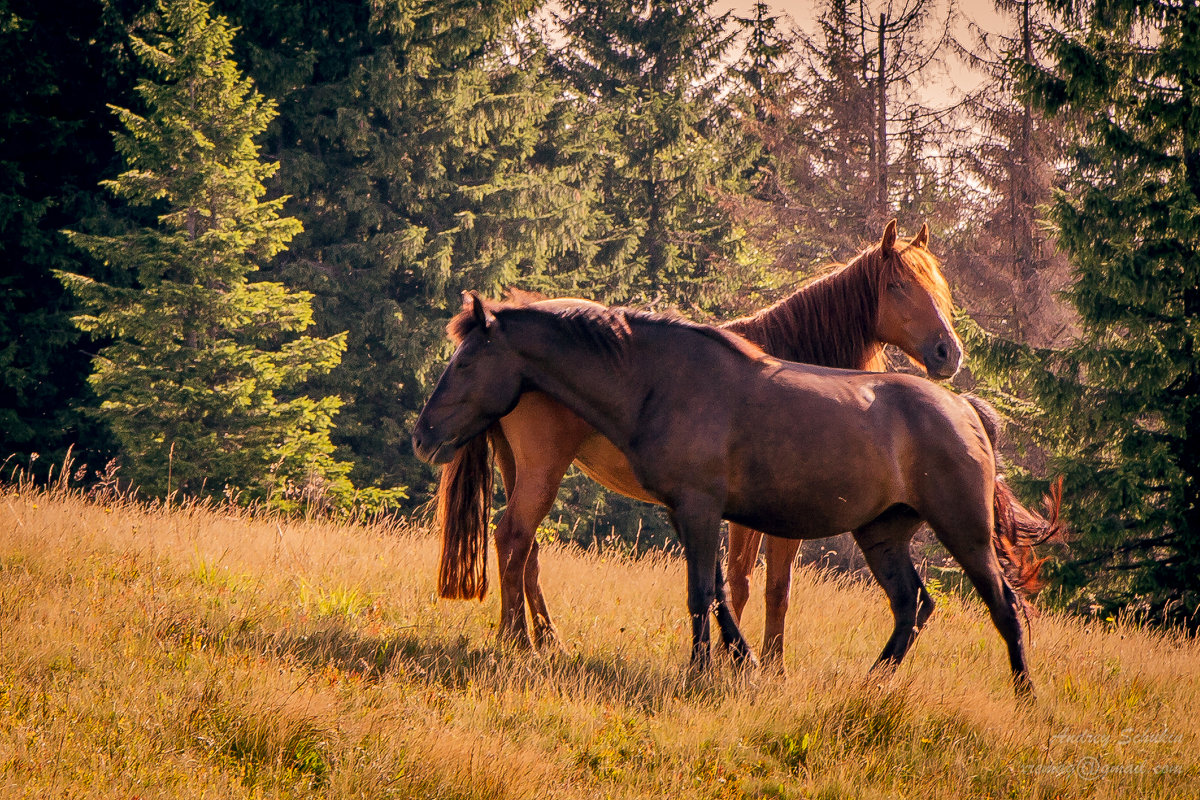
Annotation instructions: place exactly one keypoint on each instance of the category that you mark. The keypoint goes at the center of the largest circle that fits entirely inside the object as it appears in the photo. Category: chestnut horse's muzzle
(942, 357)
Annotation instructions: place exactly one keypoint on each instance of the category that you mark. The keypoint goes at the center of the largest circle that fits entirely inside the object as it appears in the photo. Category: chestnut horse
(713, 428)
(890, 293)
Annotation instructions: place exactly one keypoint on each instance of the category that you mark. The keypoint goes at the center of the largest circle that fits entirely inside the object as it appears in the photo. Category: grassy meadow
(164, 653)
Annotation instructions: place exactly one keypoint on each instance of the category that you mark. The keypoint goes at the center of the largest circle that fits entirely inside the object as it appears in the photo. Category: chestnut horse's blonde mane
(831, 321)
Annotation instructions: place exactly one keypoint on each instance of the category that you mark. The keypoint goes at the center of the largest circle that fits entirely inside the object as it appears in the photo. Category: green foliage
(1119, 408)
(415, 140)
(59, 62)
(649, 81)
(195, 382)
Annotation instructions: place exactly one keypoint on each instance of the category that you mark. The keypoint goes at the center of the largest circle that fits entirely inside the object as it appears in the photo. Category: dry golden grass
(200, 653)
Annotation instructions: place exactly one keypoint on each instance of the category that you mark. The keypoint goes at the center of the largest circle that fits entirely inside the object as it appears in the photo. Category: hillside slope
(201, 653)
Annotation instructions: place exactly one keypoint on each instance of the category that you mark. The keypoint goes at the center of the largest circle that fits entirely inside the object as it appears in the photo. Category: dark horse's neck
(829, 322)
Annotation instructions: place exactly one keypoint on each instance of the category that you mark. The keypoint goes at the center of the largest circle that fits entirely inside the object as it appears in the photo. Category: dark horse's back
(814, 451)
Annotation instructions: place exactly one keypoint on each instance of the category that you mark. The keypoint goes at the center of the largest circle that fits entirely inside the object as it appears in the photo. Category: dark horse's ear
(922, 237)
(888, 244)
(483, 317)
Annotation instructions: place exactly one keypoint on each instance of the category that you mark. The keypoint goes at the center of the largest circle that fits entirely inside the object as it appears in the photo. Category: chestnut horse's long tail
(1017, 529)
(464, 505)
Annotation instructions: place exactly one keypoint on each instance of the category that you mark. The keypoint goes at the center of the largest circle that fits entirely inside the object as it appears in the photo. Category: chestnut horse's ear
(888, 244)
(472, 303)
(922, 237)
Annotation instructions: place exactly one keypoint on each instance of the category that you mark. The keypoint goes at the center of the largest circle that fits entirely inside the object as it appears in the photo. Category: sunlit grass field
(196, 652)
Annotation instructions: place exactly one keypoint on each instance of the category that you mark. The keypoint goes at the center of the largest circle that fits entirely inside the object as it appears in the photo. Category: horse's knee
(504, 532)
(513, 546)
(777, 594)
(739, 593)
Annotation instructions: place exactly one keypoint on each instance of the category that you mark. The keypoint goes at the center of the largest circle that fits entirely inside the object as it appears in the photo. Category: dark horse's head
(480, 385)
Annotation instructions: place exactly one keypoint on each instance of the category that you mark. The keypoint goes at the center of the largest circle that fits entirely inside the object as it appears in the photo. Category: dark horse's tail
(1016, 529)
(464, 504)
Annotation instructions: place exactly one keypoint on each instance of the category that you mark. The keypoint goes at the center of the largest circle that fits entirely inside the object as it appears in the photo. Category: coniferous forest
(231, 234)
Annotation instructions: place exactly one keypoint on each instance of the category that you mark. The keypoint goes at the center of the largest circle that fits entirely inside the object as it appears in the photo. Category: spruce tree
(426, 153)
(776, 209)
(1120, 407)
(1014, 269)
(650, 78)
(820, 192)
(199, 381)
(818, 189)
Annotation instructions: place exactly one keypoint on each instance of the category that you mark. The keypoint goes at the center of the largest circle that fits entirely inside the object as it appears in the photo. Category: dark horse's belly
(812, 523)
(808, 523)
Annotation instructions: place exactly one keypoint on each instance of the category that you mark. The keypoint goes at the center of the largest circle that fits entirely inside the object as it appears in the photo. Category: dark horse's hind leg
(971, 546)
(884, 544)
(1004, 607)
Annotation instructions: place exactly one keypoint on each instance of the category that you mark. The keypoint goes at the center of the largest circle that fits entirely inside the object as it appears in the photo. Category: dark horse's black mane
(607, 329)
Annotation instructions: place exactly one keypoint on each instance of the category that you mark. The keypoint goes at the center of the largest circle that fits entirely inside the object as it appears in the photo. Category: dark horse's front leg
(698, 524)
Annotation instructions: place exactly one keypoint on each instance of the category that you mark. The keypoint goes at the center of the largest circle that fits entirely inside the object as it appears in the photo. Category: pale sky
(980, 12)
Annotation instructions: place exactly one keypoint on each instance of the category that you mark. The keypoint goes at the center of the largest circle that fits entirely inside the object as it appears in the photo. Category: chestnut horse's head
(915, 311)
(481, 383)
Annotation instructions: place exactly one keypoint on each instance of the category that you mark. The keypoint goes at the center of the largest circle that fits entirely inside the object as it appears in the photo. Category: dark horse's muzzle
(429, 448)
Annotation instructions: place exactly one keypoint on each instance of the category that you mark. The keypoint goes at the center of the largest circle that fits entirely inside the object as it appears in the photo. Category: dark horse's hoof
(744, 657)
(1024, 689)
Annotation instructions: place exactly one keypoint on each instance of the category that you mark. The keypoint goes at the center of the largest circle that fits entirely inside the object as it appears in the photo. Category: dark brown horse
(890, 293)
(713, 428)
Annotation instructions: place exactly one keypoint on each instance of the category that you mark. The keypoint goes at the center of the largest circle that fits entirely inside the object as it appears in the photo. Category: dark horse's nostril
(942, 351)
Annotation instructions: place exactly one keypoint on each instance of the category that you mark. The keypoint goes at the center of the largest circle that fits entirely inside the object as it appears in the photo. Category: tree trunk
(881, 172)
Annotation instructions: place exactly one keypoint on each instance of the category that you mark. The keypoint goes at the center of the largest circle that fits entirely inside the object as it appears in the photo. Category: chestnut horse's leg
(781, 554)
(540, 439)
(731, 633)
(544, 632)
(743, 557)
(884, 544)
(543, 626)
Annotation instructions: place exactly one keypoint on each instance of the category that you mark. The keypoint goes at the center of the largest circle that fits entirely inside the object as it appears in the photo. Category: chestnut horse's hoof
(517, 639)
(547, 638)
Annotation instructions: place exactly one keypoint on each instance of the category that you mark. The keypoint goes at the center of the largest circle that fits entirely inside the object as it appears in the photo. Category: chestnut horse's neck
(830, 322)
